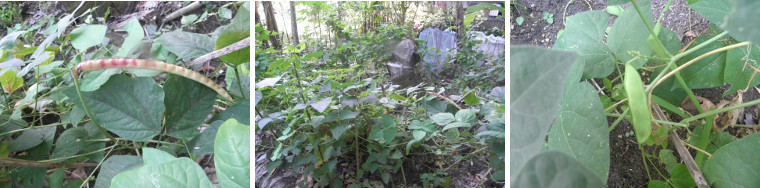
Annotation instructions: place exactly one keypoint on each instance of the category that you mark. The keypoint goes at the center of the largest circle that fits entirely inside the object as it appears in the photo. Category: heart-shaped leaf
(187, 105)
(130, 107)
(232, 154)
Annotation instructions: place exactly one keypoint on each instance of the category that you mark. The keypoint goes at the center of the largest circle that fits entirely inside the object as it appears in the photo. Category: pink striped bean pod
(153, 65)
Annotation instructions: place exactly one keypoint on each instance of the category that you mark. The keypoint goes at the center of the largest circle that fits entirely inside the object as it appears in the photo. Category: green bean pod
(637, 102)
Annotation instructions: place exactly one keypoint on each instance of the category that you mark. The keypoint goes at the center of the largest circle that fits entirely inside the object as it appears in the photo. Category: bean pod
(153, 65)
(637, 102)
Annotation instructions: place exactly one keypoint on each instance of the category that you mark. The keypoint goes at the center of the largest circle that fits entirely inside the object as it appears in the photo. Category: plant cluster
(327, 123)
(577, 143)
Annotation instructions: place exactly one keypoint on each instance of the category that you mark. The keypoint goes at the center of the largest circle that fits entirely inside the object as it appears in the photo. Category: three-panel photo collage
(268, 94)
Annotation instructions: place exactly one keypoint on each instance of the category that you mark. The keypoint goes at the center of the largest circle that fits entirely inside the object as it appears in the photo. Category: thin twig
(696, 148)
(618, 103)
(182, 11)
(671, 73)
(445, 98)
(28, 163)
(224, 51)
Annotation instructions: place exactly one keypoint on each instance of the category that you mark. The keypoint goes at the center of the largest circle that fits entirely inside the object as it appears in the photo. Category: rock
(402, 64)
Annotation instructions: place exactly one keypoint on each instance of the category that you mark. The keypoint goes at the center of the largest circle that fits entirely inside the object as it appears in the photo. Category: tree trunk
(258, 21)
(271, 24)
(460, 19)
(293, 22)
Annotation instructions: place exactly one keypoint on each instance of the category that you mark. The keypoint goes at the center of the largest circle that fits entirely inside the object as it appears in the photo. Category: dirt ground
(626, 166)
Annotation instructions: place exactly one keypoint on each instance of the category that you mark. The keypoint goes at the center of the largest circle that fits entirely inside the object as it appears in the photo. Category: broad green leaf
(28, 139)
(6, 125)
(615, 10)
(241, 111)
(136, 34)
(348, 114)
(738, 72)
(387, 121)
(87, 36)
(10, 82)
(232, 154)
(321, 105)
(96, 148)
(580, 129)
(658, 184)
(156, 156)
(94, 79)
(234, 88)
(203, 144)
(456, 125)
(416, 124)
(277, 153)
(735, 164)
(75, 183)
(617, 2)
(435, 106)
(707, 72)
(178, 172)
(497, 94)
(114, 165)
(187, 104)
(313, 55)
(555, 169)
(186, 45)
(39, 55)
(28, 176)
(31, 93)
(418, 135)
(338, 130)
(535, 75)
(376, 133)
(584, 33)
(238, 29)
(465, 115)
(629, 33)
(130, 107)
(741, 21)
(6, 43)
(666, 157)
(69, 143)
(443, 118)
(44, 148)
(389, 134)
(188, 19)
(637, 101)
(471, 99)
(680, 176)
(267, 82)
(397, 97)
(715, 10)
(56, 179)
(670, 40)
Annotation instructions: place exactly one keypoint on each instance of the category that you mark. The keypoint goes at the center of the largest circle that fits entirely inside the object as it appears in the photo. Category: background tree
(271, 24)
(293, 22)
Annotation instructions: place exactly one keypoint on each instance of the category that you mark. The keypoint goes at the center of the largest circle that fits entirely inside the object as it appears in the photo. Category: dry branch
(28, 163)
(224, 51)
(691, 165)
(182, 11)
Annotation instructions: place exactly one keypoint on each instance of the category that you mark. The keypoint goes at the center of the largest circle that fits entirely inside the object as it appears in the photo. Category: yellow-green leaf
(10, 82)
